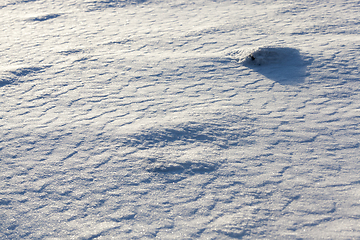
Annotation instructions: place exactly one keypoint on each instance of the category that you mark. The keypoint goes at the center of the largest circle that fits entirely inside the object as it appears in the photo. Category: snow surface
(150, 119)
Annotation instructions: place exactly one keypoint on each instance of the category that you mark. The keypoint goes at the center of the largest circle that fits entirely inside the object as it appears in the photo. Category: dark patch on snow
(12, 227)
(71, 51)
(5, 201)
(23, 71)
(119, 42)
(81, 59)
(103, 4)
(12, 75)
(282, 64)
(5, 82)
(7, 78)
(16, 2)
(44, 17)
(236, 233)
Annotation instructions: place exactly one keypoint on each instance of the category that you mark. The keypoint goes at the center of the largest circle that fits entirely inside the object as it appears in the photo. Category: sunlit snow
(179, 120)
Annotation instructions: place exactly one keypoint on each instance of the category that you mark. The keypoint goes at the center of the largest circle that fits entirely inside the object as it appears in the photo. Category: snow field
(137, 120)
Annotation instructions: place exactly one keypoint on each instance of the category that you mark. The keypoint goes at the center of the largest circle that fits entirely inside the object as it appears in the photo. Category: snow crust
(179, 120)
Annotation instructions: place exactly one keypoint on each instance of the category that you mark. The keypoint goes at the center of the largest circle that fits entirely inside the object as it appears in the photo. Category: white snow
(174, 119)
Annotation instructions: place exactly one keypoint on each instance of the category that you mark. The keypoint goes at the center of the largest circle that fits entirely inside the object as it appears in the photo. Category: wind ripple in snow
(102, 4)
(12, 2)
(42, 18)
(191, 133)
(173, 139)
(77, 161)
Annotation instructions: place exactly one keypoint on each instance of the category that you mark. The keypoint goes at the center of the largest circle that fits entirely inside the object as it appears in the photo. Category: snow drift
(128, 120)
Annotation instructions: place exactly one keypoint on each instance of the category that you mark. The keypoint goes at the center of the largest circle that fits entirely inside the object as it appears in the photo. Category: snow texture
(125, 119)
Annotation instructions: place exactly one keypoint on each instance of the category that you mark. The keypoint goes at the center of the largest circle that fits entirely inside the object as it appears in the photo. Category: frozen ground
(179, 119)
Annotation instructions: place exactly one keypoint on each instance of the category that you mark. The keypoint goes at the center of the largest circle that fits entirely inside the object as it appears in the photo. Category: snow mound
(284, 65)
(266, 55)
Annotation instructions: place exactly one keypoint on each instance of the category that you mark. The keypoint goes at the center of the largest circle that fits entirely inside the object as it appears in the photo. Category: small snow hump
(282, 64)
(266, 55)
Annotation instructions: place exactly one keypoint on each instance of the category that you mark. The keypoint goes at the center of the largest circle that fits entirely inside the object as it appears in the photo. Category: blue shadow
(281, 64)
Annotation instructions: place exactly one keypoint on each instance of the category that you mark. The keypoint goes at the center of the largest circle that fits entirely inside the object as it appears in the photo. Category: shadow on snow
(281, 64)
